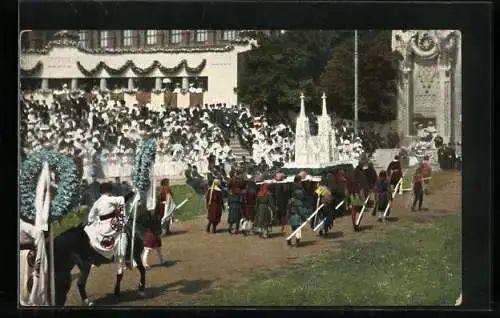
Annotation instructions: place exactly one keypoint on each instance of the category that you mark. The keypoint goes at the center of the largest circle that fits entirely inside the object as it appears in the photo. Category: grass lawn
(418, 266)
(193, 208)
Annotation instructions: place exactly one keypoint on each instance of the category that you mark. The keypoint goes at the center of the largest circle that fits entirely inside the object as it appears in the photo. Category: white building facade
(65, 60)
(430, 83)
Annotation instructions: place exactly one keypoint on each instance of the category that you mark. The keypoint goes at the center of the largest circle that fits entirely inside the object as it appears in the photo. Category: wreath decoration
(64, 169)
(425, 46)
(32, 71)
(144, 159)
(148, 50)
(142, 71)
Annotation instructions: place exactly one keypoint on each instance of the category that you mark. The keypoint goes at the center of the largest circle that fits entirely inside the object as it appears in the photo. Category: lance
(323, 221)
(176, 208)
(393, 195)
(305, 222)
(362, 211)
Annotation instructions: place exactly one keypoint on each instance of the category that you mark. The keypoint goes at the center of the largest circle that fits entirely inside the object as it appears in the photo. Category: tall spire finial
(302, 106)
(324, 111)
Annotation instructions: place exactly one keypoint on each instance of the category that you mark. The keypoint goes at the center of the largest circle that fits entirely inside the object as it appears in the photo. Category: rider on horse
(105, 228)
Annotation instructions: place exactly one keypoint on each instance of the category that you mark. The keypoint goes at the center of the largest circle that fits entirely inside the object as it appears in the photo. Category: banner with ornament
(143, 98)
(195, 99)
(170, 99)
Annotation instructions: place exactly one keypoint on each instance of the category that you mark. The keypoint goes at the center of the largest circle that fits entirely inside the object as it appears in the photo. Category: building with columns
(170, 67)
(430, 84)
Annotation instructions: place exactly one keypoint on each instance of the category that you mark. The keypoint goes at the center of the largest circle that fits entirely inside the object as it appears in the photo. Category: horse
(72, 247)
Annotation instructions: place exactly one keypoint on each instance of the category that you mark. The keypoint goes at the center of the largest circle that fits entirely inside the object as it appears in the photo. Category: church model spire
(302, 134)
(324, 129)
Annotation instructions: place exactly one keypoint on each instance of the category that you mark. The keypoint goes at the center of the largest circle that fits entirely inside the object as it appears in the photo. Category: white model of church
(318, 151)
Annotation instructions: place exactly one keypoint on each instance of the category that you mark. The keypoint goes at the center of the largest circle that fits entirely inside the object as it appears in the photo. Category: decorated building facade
(430, 83)
(171, 68)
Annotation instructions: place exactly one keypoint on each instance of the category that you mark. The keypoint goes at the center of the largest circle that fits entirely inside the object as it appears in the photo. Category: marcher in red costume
(215, 205)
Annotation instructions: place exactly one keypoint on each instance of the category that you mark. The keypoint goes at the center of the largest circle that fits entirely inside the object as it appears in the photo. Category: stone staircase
(238, 150)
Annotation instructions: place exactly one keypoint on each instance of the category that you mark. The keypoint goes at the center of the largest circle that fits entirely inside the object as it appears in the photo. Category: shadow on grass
(274, 235)
(174, 233)
(333, 235)
(184, 286)
(307, 243)
(365, 227)
(391, 219)
(168, 263)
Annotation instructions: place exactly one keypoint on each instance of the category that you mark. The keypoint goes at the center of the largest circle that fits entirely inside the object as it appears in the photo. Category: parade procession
(106, 183)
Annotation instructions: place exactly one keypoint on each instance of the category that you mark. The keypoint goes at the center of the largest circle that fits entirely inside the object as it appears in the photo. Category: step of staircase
(238, 150)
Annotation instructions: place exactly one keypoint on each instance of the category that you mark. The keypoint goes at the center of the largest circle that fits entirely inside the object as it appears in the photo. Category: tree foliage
(282, 66)
(313, 62)
(377, 88)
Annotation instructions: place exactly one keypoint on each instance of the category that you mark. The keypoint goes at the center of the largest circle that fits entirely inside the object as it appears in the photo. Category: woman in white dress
(113, 164)
(104, 157)
(88, 164)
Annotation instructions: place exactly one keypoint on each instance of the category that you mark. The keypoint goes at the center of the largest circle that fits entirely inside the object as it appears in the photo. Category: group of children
(254, 209)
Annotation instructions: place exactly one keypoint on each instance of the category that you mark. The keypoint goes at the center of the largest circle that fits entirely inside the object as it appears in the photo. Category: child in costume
(296, 215)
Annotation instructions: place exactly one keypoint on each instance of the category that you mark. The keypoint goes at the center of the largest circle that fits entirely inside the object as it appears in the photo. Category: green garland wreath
(141, 71)
(144, 159)
(32, 71)
(128, 50)
(68, 185)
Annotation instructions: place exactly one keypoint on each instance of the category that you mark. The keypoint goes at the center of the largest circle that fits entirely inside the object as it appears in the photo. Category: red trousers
(354, 210)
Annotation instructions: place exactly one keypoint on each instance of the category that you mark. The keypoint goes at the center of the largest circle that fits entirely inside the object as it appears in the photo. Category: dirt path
(199, 262)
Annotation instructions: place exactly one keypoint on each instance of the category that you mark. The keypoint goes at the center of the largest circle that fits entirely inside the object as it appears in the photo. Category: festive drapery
(142, 71)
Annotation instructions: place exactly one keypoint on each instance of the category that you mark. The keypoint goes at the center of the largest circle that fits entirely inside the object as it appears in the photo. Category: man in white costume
(105, 238)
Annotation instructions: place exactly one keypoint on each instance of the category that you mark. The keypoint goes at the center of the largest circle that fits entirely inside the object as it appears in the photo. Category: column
(185, 83)
(158, 83)
(130, 83)
(443, 105)
(102, 84)
(407, 102)
(45, 83)
(457, 89)
(74, 83)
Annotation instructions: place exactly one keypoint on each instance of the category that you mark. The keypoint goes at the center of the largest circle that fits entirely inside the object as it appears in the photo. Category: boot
(356, 228)
(208, 226)
(214, 228)
(297, 242)
(237, 228)
(289, 242)
(230, 228)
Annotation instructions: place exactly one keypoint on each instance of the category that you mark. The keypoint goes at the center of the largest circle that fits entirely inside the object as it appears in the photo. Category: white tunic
(102, 237)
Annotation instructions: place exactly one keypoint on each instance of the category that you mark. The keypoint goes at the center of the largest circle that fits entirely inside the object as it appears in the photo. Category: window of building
(104, 39)
(229, 35)
(176, 36)
(127, 38)
(201, 35)
(145, 84)
(82, 38)
(151, 37)
(30, 84)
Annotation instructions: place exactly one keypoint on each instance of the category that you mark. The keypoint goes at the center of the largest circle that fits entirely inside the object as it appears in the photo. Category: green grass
(415, 267)
(192, 209)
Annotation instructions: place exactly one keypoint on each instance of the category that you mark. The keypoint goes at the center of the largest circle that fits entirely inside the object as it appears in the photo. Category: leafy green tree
(377, 66)
(282, 66)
